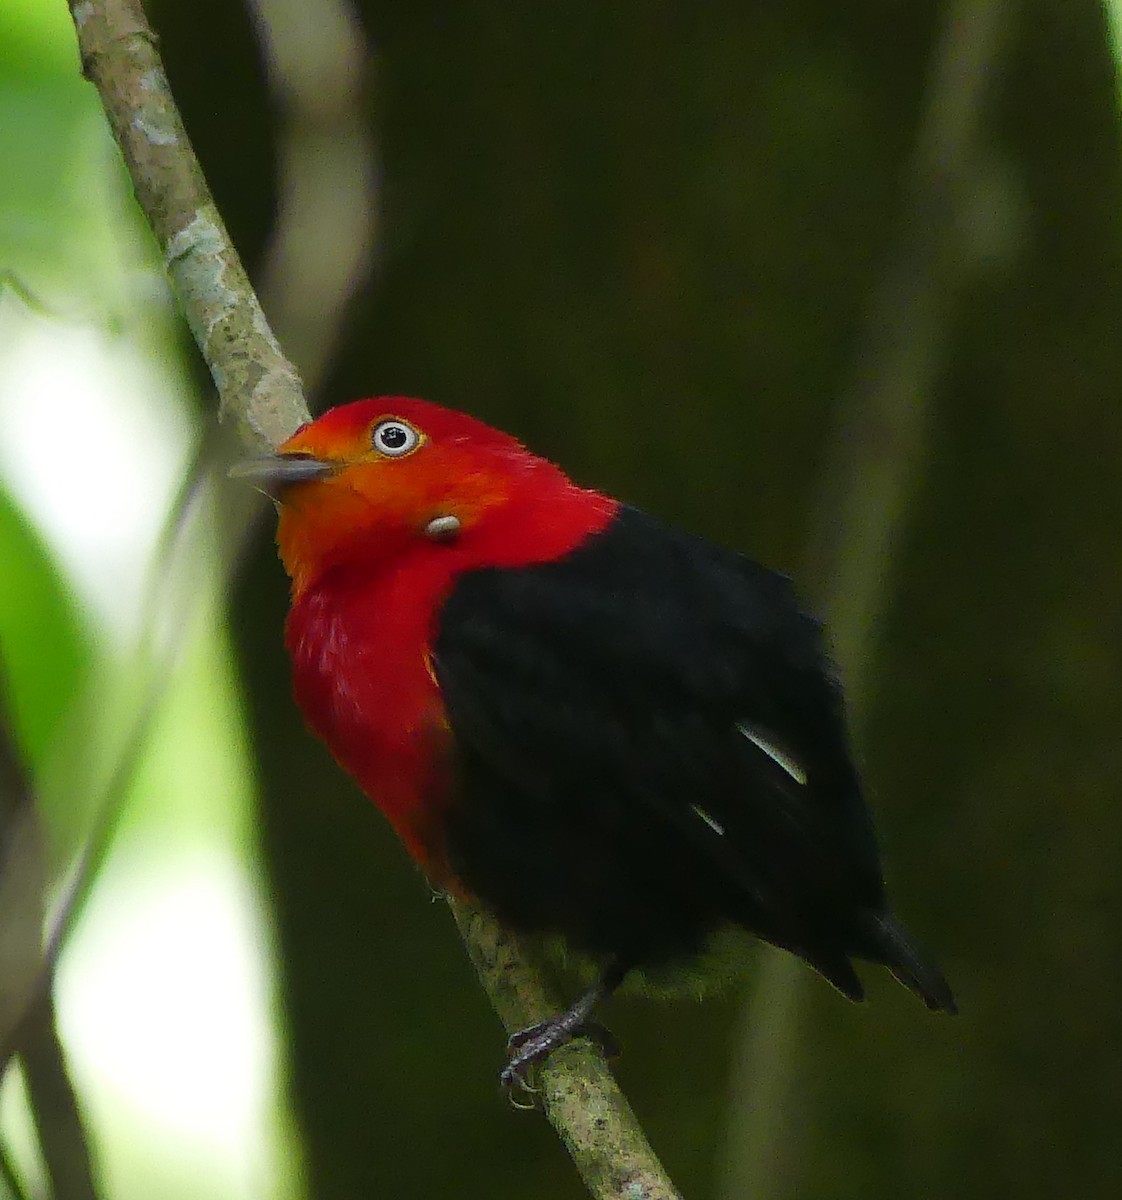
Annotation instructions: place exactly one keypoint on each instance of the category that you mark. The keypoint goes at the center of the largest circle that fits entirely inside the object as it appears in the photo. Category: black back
(607, 710)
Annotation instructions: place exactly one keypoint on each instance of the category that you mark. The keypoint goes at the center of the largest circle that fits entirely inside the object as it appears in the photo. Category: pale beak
(277, 473)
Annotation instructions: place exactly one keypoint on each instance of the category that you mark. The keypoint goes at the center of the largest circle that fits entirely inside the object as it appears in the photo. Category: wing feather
(663, 709)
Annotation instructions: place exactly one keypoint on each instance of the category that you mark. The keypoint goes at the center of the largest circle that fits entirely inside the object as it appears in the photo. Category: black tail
(886, 941)
(839, 971)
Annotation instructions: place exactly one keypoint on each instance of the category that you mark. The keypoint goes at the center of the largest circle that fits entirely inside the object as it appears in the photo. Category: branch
(259, 389)
(579, 1095)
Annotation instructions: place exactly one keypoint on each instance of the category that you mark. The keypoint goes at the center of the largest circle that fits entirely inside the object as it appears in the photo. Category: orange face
(374, 476)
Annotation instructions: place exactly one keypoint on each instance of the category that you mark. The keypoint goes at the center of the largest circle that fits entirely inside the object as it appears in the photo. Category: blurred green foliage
(171, 955)
(43, 647)
(41, 642)
(56, 220)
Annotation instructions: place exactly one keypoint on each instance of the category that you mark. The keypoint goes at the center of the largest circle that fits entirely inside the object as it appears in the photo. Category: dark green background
(644, 237)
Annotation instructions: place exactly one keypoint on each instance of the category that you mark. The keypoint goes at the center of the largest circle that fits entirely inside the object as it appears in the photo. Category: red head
(375, 479)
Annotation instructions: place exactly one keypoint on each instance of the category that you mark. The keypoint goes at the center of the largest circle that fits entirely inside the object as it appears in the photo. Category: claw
(514, 1079)
(519, 1093)
(528, 1047)
(525, 1049)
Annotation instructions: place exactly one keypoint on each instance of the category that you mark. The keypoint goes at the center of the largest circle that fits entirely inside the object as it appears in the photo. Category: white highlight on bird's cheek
(776, 755)
(443, 529)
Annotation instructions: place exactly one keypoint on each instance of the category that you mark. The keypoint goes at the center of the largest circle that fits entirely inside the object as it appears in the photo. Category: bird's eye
(394, 438)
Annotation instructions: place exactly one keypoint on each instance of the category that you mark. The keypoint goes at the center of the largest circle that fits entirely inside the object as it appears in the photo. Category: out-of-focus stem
(322, 247)
(27, 1017)
(862, 515)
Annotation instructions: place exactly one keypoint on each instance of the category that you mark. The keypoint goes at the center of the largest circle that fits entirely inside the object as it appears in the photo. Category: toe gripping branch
(529, 1047)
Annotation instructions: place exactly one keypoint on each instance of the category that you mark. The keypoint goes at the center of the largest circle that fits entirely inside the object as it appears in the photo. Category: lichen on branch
(577, 1091)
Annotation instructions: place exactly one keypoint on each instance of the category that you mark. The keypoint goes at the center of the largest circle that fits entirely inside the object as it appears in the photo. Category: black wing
(650, 743)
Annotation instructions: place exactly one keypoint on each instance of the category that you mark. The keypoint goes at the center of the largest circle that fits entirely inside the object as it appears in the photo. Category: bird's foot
(529, 1047)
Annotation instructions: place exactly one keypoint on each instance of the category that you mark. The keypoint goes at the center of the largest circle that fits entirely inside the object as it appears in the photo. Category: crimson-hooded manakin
(612, 733)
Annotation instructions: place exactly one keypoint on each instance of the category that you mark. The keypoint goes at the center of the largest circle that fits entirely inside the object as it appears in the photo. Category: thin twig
(9, 1177)
(170, 610)
(29, 1028)
(54, 1103)
(260, 390)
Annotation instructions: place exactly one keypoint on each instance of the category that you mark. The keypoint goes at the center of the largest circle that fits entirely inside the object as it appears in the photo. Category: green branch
(580, 1097)
(260, 390)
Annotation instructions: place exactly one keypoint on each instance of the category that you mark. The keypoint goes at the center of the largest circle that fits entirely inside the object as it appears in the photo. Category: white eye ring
(394, 438)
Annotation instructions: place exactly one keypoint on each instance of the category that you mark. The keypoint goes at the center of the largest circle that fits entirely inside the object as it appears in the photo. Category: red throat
(363, 621)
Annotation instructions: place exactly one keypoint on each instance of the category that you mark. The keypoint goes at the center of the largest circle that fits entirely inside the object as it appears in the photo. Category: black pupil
(394, 437)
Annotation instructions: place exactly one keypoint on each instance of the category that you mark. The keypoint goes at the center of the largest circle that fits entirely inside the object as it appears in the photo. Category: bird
(620, 738)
